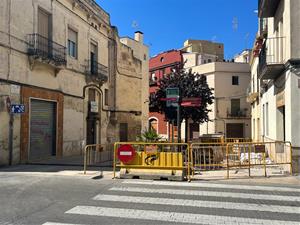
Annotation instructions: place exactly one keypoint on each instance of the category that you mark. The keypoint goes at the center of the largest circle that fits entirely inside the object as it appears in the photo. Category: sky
(166, 24)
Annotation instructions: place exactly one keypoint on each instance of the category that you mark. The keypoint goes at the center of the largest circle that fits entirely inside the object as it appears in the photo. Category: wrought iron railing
(97, 70)
(272, 52)
(46, 49)
(237, 114)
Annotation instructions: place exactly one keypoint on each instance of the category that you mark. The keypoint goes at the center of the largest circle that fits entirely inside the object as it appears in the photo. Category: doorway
(42, 129)
(235, 130)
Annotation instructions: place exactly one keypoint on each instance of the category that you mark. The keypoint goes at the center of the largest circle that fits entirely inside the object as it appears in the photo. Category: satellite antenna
(134, 24)
(235, 23)
(246, 39)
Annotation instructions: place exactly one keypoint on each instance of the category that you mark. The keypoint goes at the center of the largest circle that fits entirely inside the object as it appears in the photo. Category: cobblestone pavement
(107, 201)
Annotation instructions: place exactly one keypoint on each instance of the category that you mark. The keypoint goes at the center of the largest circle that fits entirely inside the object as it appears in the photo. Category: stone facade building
(64, 62)
(275, 84)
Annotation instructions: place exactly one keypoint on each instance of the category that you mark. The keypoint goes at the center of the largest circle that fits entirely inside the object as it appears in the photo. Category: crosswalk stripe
(54, 223)
(170, 216)
(213, 185)
(208, 193)
(198, 203)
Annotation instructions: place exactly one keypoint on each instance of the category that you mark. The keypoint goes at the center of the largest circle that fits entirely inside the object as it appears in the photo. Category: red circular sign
(126, 153)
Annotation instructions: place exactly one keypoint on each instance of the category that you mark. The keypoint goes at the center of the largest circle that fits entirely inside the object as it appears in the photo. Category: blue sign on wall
(17, 108)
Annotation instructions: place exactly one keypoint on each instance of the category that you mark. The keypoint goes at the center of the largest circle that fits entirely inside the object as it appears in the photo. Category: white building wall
(219, 76)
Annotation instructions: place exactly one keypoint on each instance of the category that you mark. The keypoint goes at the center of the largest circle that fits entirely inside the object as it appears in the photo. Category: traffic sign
(17, 108)
(191, 102)
(126, 153)
(172, 93)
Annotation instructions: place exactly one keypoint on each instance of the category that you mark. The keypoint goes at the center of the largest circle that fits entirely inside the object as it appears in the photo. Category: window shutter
(72, 36)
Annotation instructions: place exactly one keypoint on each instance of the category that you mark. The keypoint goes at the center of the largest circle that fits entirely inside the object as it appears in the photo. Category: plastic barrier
(152, 160)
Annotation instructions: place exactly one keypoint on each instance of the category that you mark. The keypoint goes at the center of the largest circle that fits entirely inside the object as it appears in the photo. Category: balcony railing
(272, 58)
(251, 94)
(96, 70)
(237, 114)
(263, 28)
(267, 8)
(46, 50)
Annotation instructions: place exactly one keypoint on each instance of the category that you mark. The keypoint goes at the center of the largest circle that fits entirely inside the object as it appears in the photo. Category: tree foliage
(191, 85)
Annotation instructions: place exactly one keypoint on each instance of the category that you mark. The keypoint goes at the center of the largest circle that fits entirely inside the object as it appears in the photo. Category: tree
(191, 85)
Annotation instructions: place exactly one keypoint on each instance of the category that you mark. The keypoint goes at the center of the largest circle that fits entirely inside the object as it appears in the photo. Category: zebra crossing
(164, 202)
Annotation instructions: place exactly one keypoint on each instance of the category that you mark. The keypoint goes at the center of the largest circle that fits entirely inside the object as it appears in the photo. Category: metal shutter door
(235, 130)
(42, 129)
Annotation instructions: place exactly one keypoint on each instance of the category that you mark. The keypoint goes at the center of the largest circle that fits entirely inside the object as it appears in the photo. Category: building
(253, 96)
(277, 84)
(64, 62)
(243, 57)
(141, 52)
(230, 113)
(197, 52)
(160, 66)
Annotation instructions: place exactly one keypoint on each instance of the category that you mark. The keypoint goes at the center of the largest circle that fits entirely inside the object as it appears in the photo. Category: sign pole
(178, 124)
(10, 138)
(172, 131)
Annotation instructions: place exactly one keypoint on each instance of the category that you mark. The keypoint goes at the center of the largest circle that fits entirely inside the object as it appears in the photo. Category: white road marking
(198, 203)
(170, 216)
(53, 223)
(213, 185)
(208, 193)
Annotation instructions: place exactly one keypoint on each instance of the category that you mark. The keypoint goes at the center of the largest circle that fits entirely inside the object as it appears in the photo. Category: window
(235, 107)
(153, 77)
(209, 61)
(106, 97)
(72, 43)
(235, 80)
(162, 59)
(145, 57)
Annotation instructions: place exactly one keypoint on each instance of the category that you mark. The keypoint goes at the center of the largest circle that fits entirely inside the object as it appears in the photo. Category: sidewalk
(58, 170)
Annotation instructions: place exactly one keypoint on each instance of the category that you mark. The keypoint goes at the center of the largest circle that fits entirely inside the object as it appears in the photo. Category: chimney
(139, 36)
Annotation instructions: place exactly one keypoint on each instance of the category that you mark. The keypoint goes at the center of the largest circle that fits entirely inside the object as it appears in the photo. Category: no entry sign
(126, 153)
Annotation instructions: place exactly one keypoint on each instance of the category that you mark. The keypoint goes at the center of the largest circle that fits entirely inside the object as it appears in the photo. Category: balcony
(96, 71)
(251, 95)
(272, 58)
(263, 28)
(267, 8)
(240, 114)
(46, 51)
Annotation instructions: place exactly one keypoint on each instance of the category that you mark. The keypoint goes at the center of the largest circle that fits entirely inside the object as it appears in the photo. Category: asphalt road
(49, 199)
